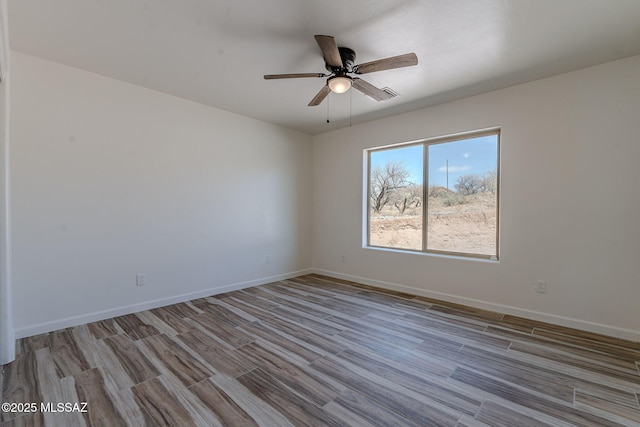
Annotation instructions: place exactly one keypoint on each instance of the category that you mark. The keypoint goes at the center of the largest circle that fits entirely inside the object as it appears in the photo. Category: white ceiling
(215, 52)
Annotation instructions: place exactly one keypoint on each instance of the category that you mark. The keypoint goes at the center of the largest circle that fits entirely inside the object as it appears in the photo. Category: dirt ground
(466, 228)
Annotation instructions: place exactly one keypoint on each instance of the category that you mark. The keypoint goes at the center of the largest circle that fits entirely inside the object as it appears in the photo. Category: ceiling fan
(339, 61)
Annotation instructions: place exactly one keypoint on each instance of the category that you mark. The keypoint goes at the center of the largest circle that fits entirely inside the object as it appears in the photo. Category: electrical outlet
(140, 280)
(541, 286)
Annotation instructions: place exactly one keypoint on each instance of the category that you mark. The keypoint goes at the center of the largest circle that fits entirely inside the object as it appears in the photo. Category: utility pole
(447, 174)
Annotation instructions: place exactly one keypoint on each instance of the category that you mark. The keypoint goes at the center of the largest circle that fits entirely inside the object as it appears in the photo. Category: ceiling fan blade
(317, 100)
(370, 90)
(292, 76)
(406, 60)
(329, 50)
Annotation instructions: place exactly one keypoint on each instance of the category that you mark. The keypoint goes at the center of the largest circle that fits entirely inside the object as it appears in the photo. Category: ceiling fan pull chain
(350, 99)
(328, 98)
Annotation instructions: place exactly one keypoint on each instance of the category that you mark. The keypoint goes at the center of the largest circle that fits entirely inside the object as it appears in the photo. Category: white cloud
(454, 168)
(466, 155)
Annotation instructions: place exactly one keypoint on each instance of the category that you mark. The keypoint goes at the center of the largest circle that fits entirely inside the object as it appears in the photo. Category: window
(436, 196)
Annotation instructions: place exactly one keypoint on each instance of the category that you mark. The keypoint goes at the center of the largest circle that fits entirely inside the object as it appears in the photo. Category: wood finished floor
(319, 351)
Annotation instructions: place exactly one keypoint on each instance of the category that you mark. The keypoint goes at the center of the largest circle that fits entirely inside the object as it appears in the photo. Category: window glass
(463, 197)
(396, 191)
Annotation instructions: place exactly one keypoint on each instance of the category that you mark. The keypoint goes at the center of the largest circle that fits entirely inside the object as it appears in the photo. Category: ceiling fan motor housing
(348, 57)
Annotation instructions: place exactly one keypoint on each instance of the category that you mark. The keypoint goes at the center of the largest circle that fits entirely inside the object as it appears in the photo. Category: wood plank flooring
(316, 351)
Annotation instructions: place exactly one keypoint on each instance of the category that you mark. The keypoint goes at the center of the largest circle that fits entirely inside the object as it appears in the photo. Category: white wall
(570, 201)
(110, 180)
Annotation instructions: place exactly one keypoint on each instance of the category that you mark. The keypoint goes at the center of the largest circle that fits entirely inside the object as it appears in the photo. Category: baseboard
(147, 305)
(598, 328)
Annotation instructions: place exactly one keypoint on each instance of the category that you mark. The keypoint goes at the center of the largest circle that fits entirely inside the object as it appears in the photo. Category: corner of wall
(7, 334)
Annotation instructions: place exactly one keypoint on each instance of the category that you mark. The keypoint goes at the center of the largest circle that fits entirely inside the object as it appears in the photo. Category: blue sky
(468, 156)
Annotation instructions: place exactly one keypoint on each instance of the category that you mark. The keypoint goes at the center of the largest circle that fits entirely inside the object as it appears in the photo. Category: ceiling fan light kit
(339, 84)
(339, 61)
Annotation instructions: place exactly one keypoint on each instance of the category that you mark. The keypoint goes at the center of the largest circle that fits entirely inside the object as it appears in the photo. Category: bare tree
(468, 184)
(385, 180)
(416, 194)
(407, 197)
(490, 181)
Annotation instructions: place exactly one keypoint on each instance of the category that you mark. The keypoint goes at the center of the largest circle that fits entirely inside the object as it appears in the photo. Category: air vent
(392, 93)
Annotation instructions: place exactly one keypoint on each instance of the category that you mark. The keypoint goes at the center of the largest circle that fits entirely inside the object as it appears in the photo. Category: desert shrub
(436, 191)
(453, 199)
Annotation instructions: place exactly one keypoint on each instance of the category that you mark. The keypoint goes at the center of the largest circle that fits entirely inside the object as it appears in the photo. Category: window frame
(497, 131)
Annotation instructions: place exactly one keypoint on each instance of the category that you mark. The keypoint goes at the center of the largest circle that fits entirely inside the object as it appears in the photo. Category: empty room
(293, 213)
